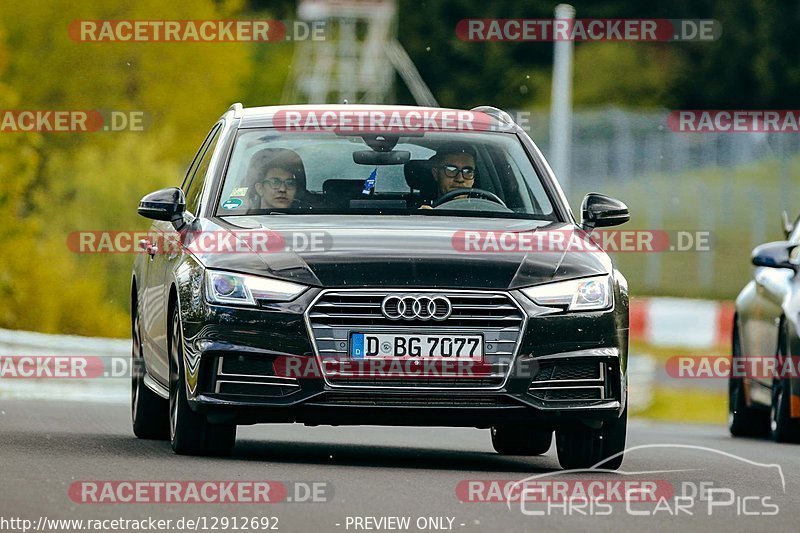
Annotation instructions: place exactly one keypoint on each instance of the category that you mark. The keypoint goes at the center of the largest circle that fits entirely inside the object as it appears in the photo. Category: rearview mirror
(774, 255)
(164, 204)
(599, 210)
(372, 158)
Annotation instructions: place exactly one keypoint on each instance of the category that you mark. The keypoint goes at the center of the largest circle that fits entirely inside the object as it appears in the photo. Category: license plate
(387, 345)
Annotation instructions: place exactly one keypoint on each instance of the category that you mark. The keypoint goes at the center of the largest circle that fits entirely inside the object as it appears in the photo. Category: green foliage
(52, 185)
(624, 74)
(157, 78)
(755, 63)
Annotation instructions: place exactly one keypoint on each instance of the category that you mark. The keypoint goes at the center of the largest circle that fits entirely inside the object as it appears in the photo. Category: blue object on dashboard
(369, 183)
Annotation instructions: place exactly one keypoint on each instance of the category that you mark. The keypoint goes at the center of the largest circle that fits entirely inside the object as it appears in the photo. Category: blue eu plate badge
(357, 346)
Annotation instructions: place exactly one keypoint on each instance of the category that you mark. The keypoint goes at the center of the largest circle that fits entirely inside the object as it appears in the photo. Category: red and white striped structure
(681, 322)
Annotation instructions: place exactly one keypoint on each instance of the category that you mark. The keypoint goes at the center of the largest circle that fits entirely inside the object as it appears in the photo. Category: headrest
(419, 177)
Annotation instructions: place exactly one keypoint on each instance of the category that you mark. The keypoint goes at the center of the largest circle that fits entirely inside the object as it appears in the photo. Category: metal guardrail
(641, 382)
(28, 343)
(14, 342)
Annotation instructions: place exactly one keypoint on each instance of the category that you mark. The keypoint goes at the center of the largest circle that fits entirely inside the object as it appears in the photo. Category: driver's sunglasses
(276, 183)
(452, 171)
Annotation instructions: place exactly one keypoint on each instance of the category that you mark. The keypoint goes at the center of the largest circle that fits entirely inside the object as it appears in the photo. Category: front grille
(408, 400)
(566, 372)
(337, 313)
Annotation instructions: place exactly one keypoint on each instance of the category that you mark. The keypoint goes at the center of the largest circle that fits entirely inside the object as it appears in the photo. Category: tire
(782, 427)
(743, 420)
(584, 447)
(516, 440)
(191, 433)
(149, 411)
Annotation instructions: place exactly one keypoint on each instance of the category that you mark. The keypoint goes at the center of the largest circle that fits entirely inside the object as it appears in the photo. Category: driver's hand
(425, 207)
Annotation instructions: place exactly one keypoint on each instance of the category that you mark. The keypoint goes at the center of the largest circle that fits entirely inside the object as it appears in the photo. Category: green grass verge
(687, 405)
(683, 404)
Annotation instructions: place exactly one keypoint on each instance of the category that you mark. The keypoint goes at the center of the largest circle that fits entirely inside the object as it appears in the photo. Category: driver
(453, 168)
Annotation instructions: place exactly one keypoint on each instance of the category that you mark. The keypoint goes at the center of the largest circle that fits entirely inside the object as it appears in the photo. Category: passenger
(278, 179)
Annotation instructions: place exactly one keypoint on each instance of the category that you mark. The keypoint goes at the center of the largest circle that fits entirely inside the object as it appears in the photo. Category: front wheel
(782, 427)
(743, 420)
(191, 433)
(584, 447)
(517, 440)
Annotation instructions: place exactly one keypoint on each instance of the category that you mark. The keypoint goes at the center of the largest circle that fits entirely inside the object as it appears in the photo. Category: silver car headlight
(585, 294)
(229, 288)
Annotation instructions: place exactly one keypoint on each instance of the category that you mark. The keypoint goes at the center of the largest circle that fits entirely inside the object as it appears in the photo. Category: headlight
(587, 294)
(228, 288)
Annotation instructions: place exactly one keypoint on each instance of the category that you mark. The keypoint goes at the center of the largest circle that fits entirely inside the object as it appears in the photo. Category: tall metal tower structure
(358, 58)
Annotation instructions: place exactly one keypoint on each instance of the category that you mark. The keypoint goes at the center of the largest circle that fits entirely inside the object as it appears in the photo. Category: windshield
(430, 173)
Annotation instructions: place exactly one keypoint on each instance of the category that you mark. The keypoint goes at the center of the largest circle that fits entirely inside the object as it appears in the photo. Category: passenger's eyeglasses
(276, 183)
(452, 171)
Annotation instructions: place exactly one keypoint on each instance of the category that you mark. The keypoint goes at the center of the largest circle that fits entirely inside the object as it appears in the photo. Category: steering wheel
(469, 193)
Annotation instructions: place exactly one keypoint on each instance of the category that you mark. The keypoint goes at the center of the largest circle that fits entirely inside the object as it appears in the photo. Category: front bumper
(564, 368)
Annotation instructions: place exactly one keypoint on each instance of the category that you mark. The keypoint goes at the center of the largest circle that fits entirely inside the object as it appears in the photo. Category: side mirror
(164, 204)
(599, 210)
(788, 227)
(774, 255)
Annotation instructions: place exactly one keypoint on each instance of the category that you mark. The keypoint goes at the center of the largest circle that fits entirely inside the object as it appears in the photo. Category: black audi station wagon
(378, 265)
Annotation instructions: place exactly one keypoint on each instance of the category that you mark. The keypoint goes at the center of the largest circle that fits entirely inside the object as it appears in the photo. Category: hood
(404, 251)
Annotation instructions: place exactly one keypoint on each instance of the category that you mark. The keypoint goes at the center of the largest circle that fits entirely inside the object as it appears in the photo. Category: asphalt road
(46, 446)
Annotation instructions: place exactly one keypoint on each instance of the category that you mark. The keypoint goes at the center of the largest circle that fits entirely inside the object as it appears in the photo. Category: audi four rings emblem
(416, 307)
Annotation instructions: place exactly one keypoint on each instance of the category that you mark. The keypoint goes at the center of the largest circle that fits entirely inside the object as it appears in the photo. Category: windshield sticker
(369, 183)
(239, 191)
(232, 203)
